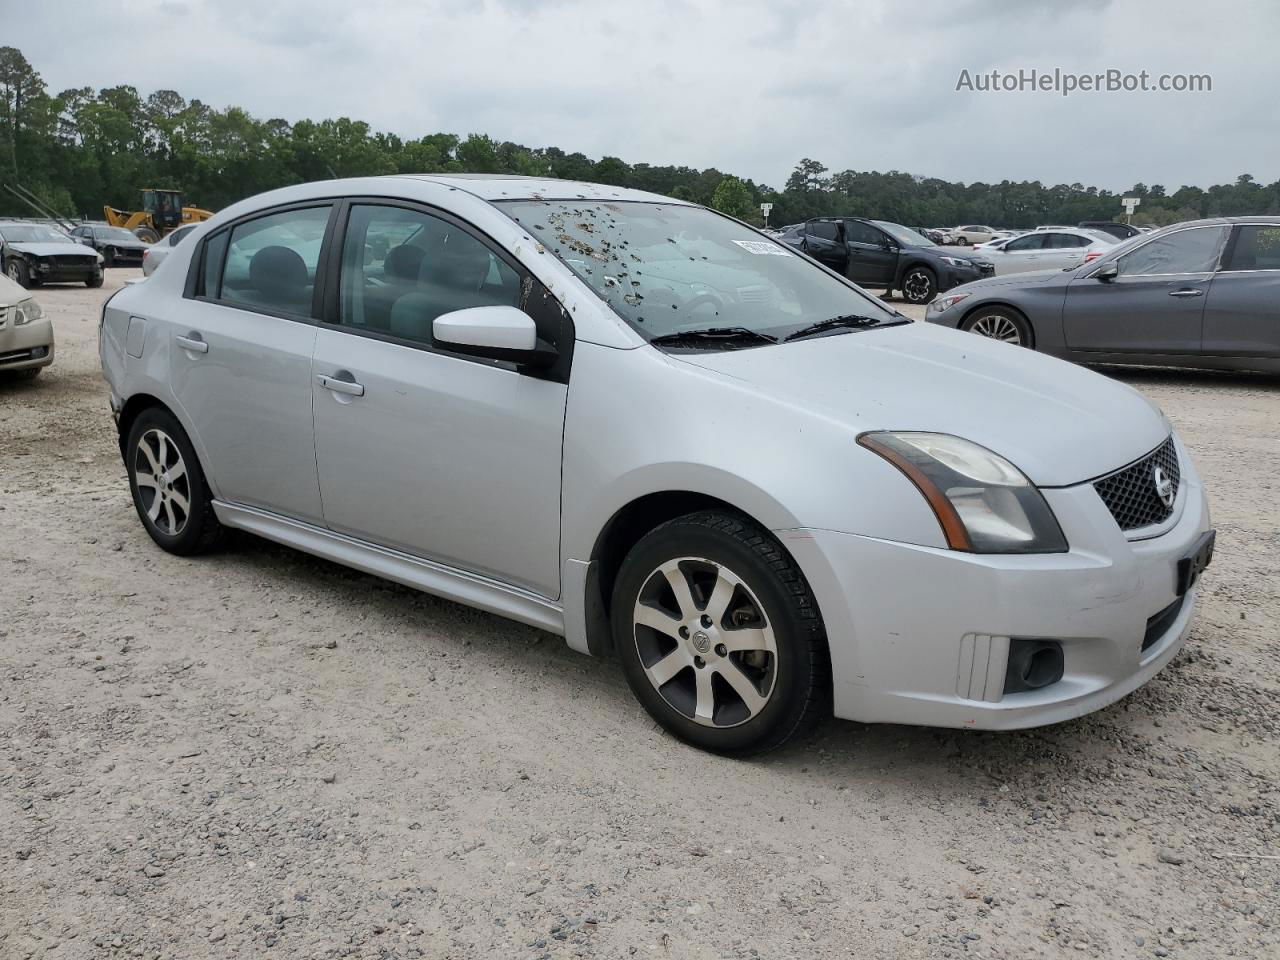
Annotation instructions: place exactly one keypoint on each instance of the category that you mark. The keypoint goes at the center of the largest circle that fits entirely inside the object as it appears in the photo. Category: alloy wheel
(916, 286)
(705, 642)
(998, 327)
(12, 271)
(164, 486)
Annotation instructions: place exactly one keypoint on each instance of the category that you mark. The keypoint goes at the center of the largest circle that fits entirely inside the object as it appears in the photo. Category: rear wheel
(719, 635)
(1000, 323)
(17, 271)
(168, 485)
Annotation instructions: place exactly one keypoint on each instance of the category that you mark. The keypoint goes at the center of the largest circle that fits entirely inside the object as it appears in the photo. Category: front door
(430, 453)
(1156, 302)
(873, 255)
(240, 360)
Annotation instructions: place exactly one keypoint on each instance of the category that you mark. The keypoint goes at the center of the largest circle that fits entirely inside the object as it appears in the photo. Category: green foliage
(82, 149)
(733, 197)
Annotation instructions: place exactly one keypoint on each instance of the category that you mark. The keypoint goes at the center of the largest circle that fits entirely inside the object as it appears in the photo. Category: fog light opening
(1033, 665)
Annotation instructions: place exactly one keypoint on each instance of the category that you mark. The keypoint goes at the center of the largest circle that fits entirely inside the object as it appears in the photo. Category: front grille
(1131, 494)
(72, 260)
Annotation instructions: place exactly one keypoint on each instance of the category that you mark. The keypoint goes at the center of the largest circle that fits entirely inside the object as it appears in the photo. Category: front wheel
(93, 282)
(146, 235)
(17, 271)
(168, 485)
(919, 285)
(720, 636)
(999, 323)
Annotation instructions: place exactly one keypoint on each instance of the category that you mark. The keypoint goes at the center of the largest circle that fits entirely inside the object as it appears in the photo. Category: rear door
(240, 358)
(1156, 303)
(1062, 250)
(824, 241)
(445, 457)
(873, 255)
(1242, 312)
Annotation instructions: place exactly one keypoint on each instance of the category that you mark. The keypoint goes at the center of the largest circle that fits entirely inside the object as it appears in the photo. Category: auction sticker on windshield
(762, 248)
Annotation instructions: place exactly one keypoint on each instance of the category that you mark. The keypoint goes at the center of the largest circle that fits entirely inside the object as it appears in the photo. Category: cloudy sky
(748, 87)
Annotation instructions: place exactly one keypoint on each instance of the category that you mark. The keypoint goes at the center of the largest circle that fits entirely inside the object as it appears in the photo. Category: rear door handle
(339, 385)
(193, 342)
(1186, 293)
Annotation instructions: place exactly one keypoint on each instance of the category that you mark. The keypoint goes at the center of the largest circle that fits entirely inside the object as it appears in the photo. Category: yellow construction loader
(162, 211)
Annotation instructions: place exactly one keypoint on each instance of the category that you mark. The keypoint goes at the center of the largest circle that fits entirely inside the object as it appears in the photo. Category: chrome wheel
(917, 286)
(164, 486)
(997, 326)
(704, 642)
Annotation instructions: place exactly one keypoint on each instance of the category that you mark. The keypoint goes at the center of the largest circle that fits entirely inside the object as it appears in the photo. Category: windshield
(669, 268)
(31, 233)
(113, 233)
(904, 235)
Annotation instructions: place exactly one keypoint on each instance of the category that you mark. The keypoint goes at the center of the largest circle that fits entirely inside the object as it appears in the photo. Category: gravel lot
(260, 754)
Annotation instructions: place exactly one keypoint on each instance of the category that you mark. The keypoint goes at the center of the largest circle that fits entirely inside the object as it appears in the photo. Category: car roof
(499, 186)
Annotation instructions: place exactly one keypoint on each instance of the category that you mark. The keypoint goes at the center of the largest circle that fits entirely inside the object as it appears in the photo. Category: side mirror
(494, 333)
(1108, 273)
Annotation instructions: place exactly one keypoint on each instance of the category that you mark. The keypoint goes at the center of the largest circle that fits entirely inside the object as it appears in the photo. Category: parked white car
(26, 334)
(155, 253)
(1046, 250)
(972, 234)
(640, 424)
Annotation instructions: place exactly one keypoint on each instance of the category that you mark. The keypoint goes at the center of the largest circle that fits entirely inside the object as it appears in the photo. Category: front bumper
(78, 270)
(920, 635)
(26, 346)
(950, 277)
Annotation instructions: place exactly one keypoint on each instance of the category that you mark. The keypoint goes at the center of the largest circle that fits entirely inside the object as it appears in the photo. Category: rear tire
(168, 485)
(719, 635)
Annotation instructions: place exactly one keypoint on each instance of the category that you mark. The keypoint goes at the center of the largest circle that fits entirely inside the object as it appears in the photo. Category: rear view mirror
(495, 333)
(1108, 273)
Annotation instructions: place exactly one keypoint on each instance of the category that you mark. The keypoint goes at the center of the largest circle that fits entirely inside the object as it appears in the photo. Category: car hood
(52, 249)
(1028, 278)
(1059, 423)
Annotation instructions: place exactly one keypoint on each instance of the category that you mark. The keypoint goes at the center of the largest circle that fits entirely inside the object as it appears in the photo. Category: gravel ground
(261, 754)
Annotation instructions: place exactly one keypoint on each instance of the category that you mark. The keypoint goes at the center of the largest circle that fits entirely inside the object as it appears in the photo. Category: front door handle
(339, 384)
(1186, 293)
(193, 342)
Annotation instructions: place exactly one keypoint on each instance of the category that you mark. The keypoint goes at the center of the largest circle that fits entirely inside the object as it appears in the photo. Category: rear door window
(1065, 241)
(824, 229)
(271, 262)
(1256, 248)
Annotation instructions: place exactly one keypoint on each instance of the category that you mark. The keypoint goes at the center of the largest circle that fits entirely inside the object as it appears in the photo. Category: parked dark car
(119, 247)
(1200, 294)
(1121, 231)
(34, 253)
(879, 254)
(937, 236)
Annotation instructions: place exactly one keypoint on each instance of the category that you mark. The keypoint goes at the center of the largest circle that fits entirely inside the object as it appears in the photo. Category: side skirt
(425, 575)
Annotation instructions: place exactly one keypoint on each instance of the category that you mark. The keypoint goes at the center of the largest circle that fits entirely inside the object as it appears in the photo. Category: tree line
(80, 149)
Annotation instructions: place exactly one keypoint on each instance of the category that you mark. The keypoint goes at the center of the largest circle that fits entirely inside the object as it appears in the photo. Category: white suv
(640, 424)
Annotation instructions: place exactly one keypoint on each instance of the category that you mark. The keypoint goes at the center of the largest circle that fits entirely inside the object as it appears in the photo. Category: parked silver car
(641, 424)
(155, 253)
(1045, 250)
(1199, 294)
(26, 334)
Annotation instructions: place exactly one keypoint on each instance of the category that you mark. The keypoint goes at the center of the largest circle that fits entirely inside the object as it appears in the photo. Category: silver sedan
(1046, 250)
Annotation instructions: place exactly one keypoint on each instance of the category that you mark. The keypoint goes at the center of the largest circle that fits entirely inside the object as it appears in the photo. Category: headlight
(958, 261)
(982, 501)
(947, 302)
(26, 311)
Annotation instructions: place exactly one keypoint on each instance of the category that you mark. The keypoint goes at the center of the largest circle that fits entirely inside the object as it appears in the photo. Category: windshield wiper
(853, 320)
(713, 335)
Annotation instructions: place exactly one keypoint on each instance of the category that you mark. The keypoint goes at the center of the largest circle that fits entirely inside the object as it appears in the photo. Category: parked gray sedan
(1200, 294)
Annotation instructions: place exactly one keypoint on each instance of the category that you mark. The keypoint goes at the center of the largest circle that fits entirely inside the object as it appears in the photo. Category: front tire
(1000, 323)
(719, 635)
(919, 285)
(18, 272)
(146, 235)
(94, 282)
(168, 485)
